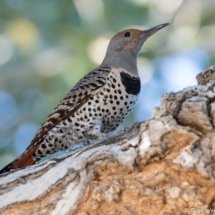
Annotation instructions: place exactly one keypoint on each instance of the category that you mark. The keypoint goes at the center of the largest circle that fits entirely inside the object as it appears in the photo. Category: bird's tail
(25, 159)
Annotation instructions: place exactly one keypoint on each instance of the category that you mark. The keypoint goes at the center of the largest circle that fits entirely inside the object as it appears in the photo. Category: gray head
(125, 46)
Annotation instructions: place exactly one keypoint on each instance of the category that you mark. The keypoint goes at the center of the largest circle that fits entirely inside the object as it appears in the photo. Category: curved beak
(153, 30)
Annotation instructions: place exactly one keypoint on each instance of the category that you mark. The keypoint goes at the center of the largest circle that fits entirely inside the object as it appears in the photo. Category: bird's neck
(124, 59)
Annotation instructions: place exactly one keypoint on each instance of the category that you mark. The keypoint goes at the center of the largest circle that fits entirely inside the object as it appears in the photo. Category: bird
(96, 105)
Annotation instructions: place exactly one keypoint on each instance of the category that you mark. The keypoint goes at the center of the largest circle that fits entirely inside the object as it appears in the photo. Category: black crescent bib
(132, 84)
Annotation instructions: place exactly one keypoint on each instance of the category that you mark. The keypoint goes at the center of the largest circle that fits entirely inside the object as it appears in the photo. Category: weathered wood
(161, 166)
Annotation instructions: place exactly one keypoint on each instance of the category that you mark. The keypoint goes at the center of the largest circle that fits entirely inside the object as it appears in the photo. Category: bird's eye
(127, 34)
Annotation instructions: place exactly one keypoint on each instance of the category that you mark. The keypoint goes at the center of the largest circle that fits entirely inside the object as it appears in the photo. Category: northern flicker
(96, 105)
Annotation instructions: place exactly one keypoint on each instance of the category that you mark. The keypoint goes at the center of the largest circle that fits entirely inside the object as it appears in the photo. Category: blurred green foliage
(47, 46)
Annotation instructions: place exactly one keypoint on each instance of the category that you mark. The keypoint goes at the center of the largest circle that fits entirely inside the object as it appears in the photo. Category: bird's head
(131, 40)
(125, 46)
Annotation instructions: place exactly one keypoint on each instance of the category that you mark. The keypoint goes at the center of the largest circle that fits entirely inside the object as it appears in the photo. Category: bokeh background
(47, 46)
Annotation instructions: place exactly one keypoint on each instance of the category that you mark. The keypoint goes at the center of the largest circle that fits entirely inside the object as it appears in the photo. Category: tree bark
(164, 165)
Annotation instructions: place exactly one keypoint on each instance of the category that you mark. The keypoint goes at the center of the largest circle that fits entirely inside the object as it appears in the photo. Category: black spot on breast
(40, 152)
(44, 146)
(131, 84)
